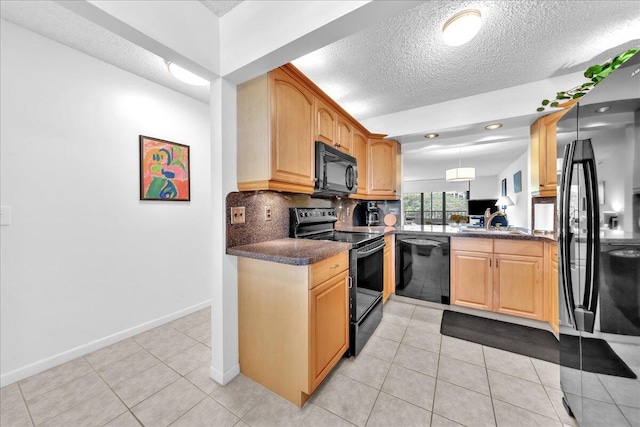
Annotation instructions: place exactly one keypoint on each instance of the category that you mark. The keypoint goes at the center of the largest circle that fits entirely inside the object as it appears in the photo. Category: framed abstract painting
(164, 170)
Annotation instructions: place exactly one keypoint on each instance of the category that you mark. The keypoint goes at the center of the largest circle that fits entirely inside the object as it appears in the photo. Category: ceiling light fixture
(493, 126)
(603, 109)
(461, 27)
(460, 174)
(431, 135)
(186, 76)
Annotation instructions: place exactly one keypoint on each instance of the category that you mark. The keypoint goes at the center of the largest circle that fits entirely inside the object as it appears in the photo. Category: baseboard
(223, 378)
(58, 359)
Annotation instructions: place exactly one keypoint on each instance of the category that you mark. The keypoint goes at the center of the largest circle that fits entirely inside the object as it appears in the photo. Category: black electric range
(366, 268)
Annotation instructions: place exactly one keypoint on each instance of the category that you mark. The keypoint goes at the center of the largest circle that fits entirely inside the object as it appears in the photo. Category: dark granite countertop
(445, 230)
(290, 251)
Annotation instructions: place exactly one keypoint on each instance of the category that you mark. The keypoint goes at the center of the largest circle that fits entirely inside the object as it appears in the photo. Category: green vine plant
(595, 74)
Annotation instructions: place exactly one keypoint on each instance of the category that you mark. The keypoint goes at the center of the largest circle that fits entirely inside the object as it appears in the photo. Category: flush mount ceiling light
(431, 135)
(186, 76)
(461, 27)
(493, 126)
(603, 109)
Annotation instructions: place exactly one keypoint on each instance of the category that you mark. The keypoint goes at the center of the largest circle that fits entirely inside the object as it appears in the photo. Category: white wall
(520, 214)
(84, 262)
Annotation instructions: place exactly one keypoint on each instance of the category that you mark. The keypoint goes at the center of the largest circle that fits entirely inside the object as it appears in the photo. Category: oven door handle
(372, 251)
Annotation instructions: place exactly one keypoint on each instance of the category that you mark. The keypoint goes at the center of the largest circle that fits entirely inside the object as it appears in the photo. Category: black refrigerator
(599, 260)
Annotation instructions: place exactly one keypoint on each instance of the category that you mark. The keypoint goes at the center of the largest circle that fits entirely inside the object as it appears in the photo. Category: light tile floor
(407, 375)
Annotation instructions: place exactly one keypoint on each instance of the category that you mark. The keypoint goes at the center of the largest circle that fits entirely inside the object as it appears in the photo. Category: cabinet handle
(489, 262)
(334, 267)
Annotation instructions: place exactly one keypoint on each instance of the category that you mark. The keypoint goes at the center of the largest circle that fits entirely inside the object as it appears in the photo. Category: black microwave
(336, 172)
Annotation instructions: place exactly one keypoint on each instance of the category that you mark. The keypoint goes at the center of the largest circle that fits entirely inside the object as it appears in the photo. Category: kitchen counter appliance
(422, 267)
(336, 172)
(365, 268)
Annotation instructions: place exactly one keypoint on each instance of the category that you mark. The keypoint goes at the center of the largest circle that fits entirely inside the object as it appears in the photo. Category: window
(431, 208)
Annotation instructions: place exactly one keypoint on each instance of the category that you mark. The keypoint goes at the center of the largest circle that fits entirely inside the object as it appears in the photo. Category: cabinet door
(328, 327)
(344, 135)
(382, 167)
(292, 150)
(554, 309)
(518, 286)
(471, 279)
(325, 123)
(386, 289)
(360, 153)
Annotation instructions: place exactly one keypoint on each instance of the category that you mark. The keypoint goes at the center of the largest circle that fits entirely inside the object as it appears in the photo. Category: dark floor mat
(598, 357)
(519, 339)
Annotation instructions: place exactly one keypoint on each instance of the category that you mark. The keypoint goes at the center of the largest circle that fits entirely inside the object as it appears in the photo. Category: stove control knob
(323, 214)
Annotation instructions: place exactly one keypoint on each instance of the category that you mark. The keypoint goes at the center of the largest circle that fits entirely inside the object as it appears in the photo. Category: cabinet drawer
(518, 247)
(472, 244)
(324, 270)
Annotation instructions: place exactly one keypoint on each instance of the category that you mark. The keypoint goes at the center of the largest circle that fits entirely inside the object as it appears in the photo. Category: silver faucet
(488, 217)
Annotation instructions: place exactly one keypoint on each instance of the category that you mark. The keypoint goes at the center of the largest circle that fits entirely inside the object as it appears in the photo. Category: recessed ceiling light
(493, 126)
(431, 135)
(603, 109)
(186, 76)
(461, 27)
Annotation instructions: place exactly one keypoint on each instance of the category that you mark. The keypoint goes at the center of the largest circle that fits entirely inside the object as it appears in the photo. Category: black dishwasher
(422, 267)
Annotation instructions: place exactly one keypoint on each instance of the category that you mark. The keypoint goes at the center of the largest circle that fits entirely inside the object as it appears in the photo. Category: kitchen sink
(493, 231)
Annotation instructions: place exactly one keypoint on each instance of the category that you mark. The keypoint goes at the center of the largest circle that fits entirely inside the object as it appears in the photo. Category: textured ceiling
(58, 23)
(403, 63)
(220, 8)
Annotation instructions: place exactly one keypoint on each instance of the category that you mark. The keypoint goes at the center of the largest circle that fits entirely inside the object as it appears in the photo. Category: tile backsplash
(256, 229)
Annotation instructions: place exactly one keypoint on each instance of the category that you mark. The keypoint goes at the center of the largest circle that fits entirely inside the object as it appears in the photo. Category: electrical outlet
(237, 215)
(267, 213)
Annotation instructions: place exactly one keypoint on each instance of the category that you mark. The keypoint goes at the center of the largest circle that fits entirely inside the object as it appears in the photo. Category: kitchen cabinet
(293, 323)
(472, 273)
(280, 116)
(360, 153)
(544, 151)
(275, 133)
(499, 275)
(381, 163)
(389, 267)
(344, 134)
(552, 290)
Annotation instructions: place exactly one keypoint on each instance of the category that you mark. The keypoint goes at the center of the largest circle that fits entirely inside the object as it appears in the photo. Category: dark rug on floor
(598, 357)
(519, 339)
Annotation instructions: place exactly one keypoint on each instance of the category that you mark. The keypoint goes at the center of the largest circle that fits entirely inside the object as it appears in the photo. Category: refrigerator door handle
(585, 313)
(566, 234)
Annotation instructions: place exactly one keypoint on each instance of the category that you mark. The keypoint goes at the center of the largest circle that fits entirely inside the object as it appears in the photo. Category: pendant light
(460, 174)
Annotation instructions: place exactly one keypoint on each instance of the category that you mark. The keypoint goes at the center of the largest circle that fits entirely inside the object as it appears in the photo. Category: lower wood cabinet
(389, 267)
(293, 323)
(553, 309)
(500, 275)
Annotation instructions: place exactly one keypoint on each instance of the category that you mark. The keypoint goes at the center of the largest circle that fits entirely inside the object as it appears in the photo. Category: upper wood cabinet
(360, 153)
(326, 123)
(344, 131)
(275, 134)
(544, 151)
(381, 162)
(281, 114)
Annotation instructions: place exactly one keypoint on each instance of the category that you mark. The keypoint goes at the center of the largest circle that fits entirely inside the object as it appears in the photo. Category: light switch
(5, 215)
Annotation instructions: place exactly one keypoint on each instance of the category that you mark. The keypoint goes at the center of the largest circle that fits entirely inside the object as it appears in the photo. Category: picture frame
(504, 187)
(517, 182)
(165, 170)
